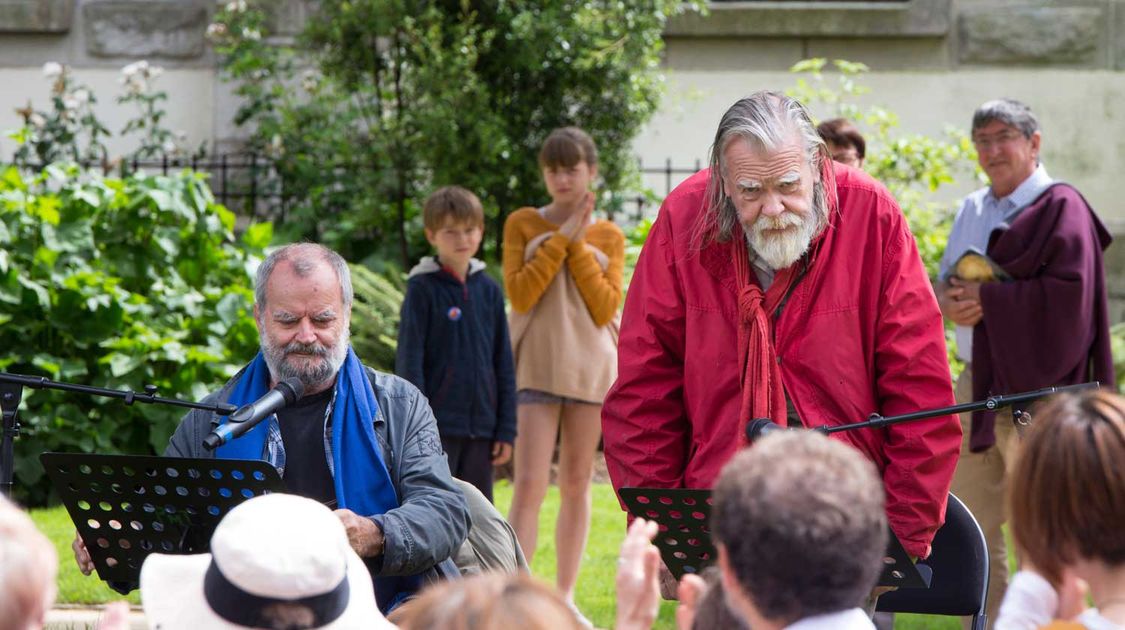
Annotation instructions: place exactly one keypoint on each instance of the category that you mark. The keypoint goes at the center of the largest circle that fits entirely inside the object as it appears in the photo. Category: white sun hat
(277, 560)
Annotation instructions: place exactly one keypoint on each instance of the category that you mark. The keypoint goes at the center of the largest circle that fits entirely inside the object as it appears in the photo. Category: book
(975, 266)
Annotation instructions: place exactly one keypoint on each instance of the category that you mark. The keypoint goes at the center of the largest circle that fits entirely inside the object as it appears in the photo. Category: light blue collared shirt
(981, 213)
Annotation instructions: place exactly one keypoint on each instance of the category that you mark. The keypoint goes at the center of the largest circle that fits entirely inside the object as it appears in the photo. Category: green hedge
(117, 283)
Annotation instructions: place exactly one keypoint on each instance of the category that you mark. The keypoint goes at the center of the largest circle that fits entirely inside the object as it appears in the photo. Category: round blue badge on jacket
(454, 313)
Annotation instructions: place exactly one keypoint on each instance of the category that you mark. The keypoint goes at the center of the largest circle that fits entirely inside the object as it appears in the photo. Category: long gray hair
(767, 121)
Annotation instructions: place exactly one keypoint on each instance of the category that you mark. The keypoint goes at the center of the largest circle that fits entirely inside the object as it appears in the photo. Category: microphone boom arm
(876, 421)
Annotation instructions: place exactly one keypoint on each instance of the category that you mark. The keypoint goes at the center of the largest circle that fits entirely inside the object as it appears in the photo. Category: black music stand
(684, 518)
(126, 507)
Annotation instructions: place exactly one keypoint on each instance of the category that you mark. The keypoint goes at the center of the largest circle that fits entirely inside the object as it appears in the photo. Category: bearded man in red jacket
(778, 284)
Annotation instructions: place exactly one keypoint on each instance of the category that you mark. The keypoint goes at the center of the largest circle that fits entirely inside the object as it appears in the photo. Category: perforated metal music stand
(126, 507)
(684, 518)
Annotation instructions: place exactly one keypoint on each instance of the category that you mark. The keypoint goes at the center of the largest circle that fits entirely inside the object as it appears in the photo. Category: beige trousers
(981, 482)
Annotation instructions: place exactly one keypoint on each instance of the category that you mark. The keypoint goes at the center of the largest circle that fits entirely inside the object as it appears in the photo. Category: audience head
(488, 602)
(800, 527)
(28, 565)
(1067, 490)
(302, 305)
(276, 561)
(766, 178)
(845, 142)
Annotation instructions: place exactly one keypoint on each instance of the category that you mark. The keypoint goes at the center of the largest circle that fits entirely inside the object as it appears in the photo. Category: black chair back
(959, 559)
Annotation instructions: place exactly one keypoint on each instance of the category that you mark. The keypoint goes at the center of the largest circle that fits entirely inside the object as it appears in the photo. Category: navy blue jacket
(453, 344)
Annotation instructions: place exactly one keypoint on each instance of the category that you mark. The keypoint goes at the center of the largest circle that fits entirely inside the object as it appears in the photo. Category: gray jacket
(432, 520)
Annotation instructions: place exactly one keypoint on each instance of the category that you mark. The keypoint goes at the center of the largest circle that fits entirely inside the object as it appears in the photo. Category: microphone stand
(876, 421)
(11, 393)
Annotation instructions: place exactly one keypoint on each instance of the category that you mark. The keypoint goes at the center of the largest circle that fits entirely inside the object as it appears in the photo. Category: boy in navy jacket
(453, 341)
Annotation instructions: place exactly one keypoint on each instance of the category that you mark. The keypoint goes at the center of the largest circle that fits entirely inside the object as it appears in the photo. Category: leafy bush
(375, 315)
(399, 97)
(117, 283)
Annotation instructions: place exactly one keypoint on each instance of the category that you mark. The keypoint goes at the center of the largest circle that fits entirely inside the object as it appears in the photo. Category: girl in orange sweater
(563, 274)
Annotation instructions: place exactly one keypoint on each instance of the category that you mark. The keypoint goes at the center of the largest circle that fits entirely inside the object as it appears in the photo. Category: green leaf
(258, 235)
(42, 296)
(120, 364)
(231, 307)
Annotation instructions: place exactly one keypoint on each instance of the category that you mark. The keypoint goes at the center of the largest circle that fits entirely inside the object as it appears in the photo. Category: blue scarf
(363, 484)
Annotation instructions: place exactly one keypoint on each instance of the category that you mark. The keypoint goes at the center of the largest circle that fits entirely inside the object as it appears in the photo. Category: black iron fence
(248, 184)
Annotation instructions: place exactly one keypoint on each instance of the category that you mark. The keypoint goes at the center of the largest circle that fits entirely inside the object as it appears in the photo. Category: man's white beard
(781, 251)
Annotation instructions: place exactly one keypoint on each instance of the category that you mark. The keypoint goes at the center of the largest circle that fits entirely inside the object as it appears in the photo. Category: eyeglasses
(846, 156)
(984, 143)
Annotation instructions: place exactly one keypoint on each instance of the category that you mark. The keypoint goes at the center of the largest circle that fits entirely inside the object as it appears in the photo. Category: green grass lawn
(595, 583)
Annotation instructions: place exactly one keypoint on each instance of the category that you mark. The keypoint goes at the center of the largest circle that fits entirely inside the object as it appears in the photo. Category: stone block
(138, 28)
(36, 16)
(903, 18)
(1031, 34)
(287, 17)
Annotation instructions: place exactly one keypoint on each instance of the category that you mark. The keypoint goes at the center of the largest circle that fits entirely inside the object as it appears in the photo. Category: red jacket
(860, 333)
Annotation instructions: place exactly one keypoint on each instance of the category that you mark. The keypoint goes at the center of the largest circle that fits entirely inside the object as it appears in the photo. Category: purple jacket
(1049, 325)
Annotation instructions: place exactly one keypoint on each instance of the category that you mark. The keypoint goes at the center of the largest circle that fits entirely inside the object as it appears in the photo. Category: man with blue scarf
(362, 442)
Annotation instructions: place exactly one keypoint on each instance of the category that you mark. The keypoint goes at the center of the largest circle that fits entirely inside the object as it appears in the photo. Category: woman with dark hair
(1067, 501)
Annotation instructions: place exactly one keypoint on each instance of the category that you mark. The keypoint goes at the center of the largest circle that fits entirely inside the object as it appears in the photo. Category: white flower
(70, 103)
(37, 120)
(81, 95)
(251, 34)
(132, 69)
(52, 69)
(155, 71)
(237, 6)
(309, 80)
(216, 30)
(168, 146)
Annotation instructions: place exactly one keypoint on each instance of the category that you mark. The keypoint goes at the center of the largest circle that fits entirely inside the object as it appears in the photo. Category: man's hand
(638, 595)
(115, 616)
(82, 555)
(364, 535)
(501, 453)
(960, 302)
(691, 590)
(1072, 595)
(668, 585)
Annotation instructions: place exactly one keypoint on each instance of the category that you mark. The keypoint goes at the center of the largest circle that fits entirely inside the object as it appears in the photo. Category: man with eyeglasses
(1022, 279)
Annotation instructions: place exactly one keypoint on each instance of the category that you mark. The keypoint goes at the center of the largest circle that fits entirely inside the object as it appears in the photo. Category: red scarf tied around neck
(762, 392)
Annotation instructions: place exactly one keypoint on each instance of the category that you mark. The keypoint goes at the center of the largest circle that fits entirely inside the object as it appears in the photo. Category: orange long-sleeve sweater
(564, 295)
(526, 280)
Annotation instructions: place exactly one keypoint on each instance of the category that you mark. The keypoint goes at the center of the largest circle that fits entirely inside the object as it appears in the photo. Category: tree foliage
(117, 283)
(400, 96)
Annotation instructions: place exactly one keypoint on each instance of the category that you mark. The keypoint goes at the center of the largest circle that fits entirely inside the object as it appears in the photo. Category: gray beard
(281, 369)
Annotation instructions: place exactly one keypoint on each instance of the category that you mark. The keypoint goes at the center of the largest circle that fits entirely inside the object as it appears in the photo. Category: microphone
(248, 416)
(761, 427)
